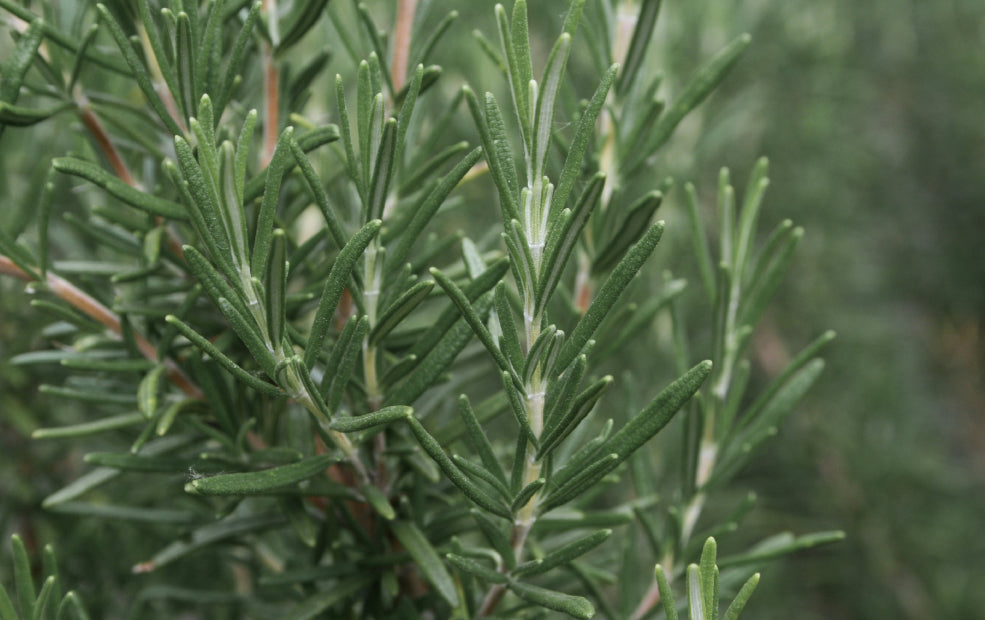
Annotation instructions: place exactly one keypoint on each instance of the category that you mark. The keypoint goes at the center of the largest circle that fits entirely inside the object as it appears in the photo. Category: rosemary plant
(347, 410)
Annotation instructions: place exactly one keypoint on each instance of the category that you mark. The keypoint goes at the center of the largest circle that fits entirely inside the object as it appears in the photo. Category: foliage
(305, 393)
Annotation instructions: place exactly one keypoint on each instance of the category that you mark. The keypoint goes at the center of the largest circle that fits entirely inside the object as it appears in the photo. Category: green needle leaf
(700, 86)
(23, 581)
(212, 351)
(658, 413)
(666, 594)
(148, 390)
(638, 44)
(399, 309)
(259, 482)
(118, 189)
(138, 71)
(426, 558)
(739, 603)
(475, 568)
(475, 322)
(575, 606)
(563, 555)
(336, 283)
(473, 492)
(383, 416)
(610, 292)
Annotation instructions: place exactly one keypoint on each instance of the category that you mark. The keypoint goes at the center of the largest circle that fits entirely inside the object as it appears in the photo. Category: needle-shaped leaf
(477, 569)
(275, 284)
(443, 346)
(379, 186)
(740, 600)
(89, 428)
(25, 116)
(699, 240)
(338, 280)
(118, 189)
(425, 210)
(627, 232)
(574, 160)
(768, 277)
(314, 186)
(567, 422)
(23, 581)
(609, 293)
(335, 389)
(636, 53)
(526, 494)
(338, 351)
(237, 54)
(700, 86)
(575, 606)
(562, 555)
(477, 472)
(231, 206)
(148, 390)
(749, 216)
(508, 198)
(780, 545)
(509, 341)
(565, 230)
(399, 309)
(695, 601)
(763, 420)
(708, 574)
(260, 482)
(278, 167)
(581, 482)
(20, 60)
(460, 480)
(300, 22)
(658, 413)
(426, 558)
(407, 110)
(207, 536)
(500, 145)
(250, 335)
(214, 284)
(518, 78)
(479, 440)
(666, 594)
(138, 70)
(475, 322)
(544, 119)
(561, 392)
(381, 417)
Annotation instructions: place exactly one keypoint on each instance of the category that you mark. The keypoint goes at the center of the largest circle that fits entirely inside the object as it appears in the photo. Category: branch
(88, 305)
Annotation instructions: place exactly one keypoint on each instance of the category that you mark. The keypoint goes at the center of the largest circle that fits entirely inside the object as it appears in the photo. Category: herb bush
(299, 391)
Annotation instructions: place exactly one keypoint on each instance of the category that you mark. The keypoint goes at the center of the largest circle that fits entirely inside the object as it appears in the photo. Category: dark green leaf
(336, 283)
(636, 53)
(366, 421)
(658, 413)
(563, 555)
(609, 293)
(475, 568)
(118, 189)
(627, 232)
(575, 606)
(427, 559)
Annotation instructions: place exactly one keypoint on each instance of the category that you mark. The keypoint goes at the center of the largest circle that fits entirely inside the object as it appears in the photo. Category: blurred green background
(873, 116)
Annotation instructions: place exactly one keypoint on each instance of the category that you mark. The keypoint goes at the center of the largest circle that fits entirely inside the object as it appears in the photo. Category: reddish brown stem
(402, 31)
(88, 305)
(91, 121)
(271, 113)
